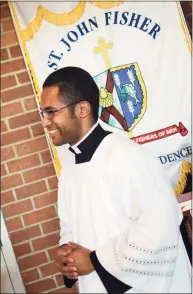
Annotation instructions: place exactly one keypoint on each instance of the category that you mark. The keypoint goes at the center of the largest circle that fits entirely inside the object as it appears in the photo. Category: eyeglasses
(49, 114)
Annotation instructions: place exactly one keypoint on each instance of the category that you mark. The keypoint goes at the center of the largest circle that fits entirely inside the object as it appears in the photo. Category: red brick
(32, 146)
(46, 156)
(3, 127)
(14, 224)
(30, 103)
(12, 66)
(45, 199)
(7, 25)
(8, 82)
(15, 136)
(7, 197)
(39, 173)
(37, 130)
(52, 253)
(30, 276)
(7, 153)
(40, 286)
(16, 93)
(49, 269)
(46, 241)
(32, 261)
(22, 249)
(9, 182)
(24, 119)
(4, 54)
(5, 12)
(51, 226)
(8, 39)
(17, 208)
(60, 280)
(30, 190)
(15, 51)
(39, 215)
(3, 170)
(25, 234)
(23, 163)
(23, 77)
(53, 183)
(11, 109)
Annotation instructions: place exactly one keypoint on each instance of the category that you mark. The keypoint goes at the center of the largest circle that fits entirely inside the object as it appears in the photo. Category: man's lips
(52, 131)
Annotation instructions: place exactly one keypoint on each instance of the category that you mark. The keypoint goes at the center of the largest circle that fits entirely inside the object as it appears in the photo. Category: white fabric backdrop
(163, 59)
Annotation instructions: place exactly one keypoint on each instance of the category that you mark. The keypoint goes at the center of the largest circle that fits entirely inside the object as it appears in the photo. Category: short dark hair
(77, 85)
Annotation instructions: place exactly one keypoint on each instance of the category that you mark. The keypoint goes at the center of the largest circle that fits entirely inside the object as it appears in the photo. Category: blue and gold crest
(123, 97)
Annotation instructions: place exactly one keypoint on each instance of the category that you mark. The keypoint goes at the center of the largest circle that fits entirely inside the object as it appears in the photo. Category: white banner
(139, 54)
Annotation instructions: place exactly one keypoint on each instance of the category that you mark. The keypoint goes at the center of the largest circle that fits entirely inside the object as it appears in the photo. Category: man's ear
(84, 109)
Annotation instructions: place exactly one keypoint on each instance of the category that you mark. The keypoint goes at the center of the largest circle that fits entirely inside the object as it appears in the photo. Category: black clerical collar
(85, 150)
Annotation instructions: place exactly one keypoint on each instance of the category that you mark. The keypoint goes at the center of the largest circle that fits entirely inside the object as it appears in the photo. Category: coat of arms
(123, 97)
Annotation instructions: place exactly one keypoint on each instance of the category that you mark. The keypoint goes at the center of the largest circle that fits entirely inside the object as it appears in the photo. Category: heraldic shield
(123, 96)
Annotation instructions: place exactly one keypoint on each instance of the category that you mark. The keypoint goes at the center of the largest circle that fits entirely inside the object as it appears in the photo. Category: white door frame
(10, 260)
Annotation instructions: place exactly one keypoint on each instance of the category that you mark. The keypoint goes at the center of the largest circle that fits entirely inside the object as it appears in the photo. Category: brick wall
(29, 183)
(28, 179)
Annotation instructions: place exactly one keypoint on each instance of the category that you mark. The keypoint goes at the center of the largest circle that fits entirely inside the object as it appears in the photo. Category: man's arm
(144, 255)
(86, 262)
(111, 283)
(65, 234)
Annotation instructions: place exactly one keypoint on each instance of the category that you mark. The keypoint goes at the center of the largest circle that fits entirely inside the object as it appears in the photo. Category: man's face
(62, 128)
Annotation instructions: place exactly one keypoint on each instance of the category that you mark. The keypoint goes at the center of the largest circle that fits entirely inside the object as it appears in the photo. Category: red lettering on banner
(157, 135)
(161, 134)
(172, 130)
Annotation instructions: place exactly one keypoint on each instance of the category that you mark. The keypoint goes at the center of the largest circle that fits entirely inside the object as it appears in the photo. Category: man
(118, 214)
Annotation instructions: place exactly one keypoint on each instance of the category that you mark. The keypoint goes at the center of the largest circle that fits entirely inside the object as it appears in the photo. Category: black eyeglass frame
(50, 113)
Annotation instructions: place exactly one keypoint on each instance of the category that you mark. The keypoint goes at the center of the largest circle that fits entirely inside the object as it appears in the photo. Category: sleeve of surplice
(63, 211)
(144, 255)
(65, 227)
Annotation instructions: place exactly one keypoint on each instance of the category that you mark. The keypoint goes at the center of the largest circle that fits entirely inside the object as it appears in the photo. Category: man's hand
(64, 262)
(80, 259)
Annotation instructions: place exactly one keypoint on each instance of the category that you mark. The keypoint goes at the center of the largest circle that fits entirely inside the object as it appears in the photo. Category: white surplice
(121, 205)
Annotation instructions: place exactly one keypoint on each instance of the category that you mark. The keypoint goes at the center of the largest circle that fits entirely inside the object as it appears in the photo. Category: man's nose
(45, 122)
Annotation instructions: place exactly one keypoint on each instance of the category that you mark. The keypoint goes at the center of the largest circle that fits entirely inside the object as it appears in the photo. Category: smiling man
(118, 214)
(60, 120)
